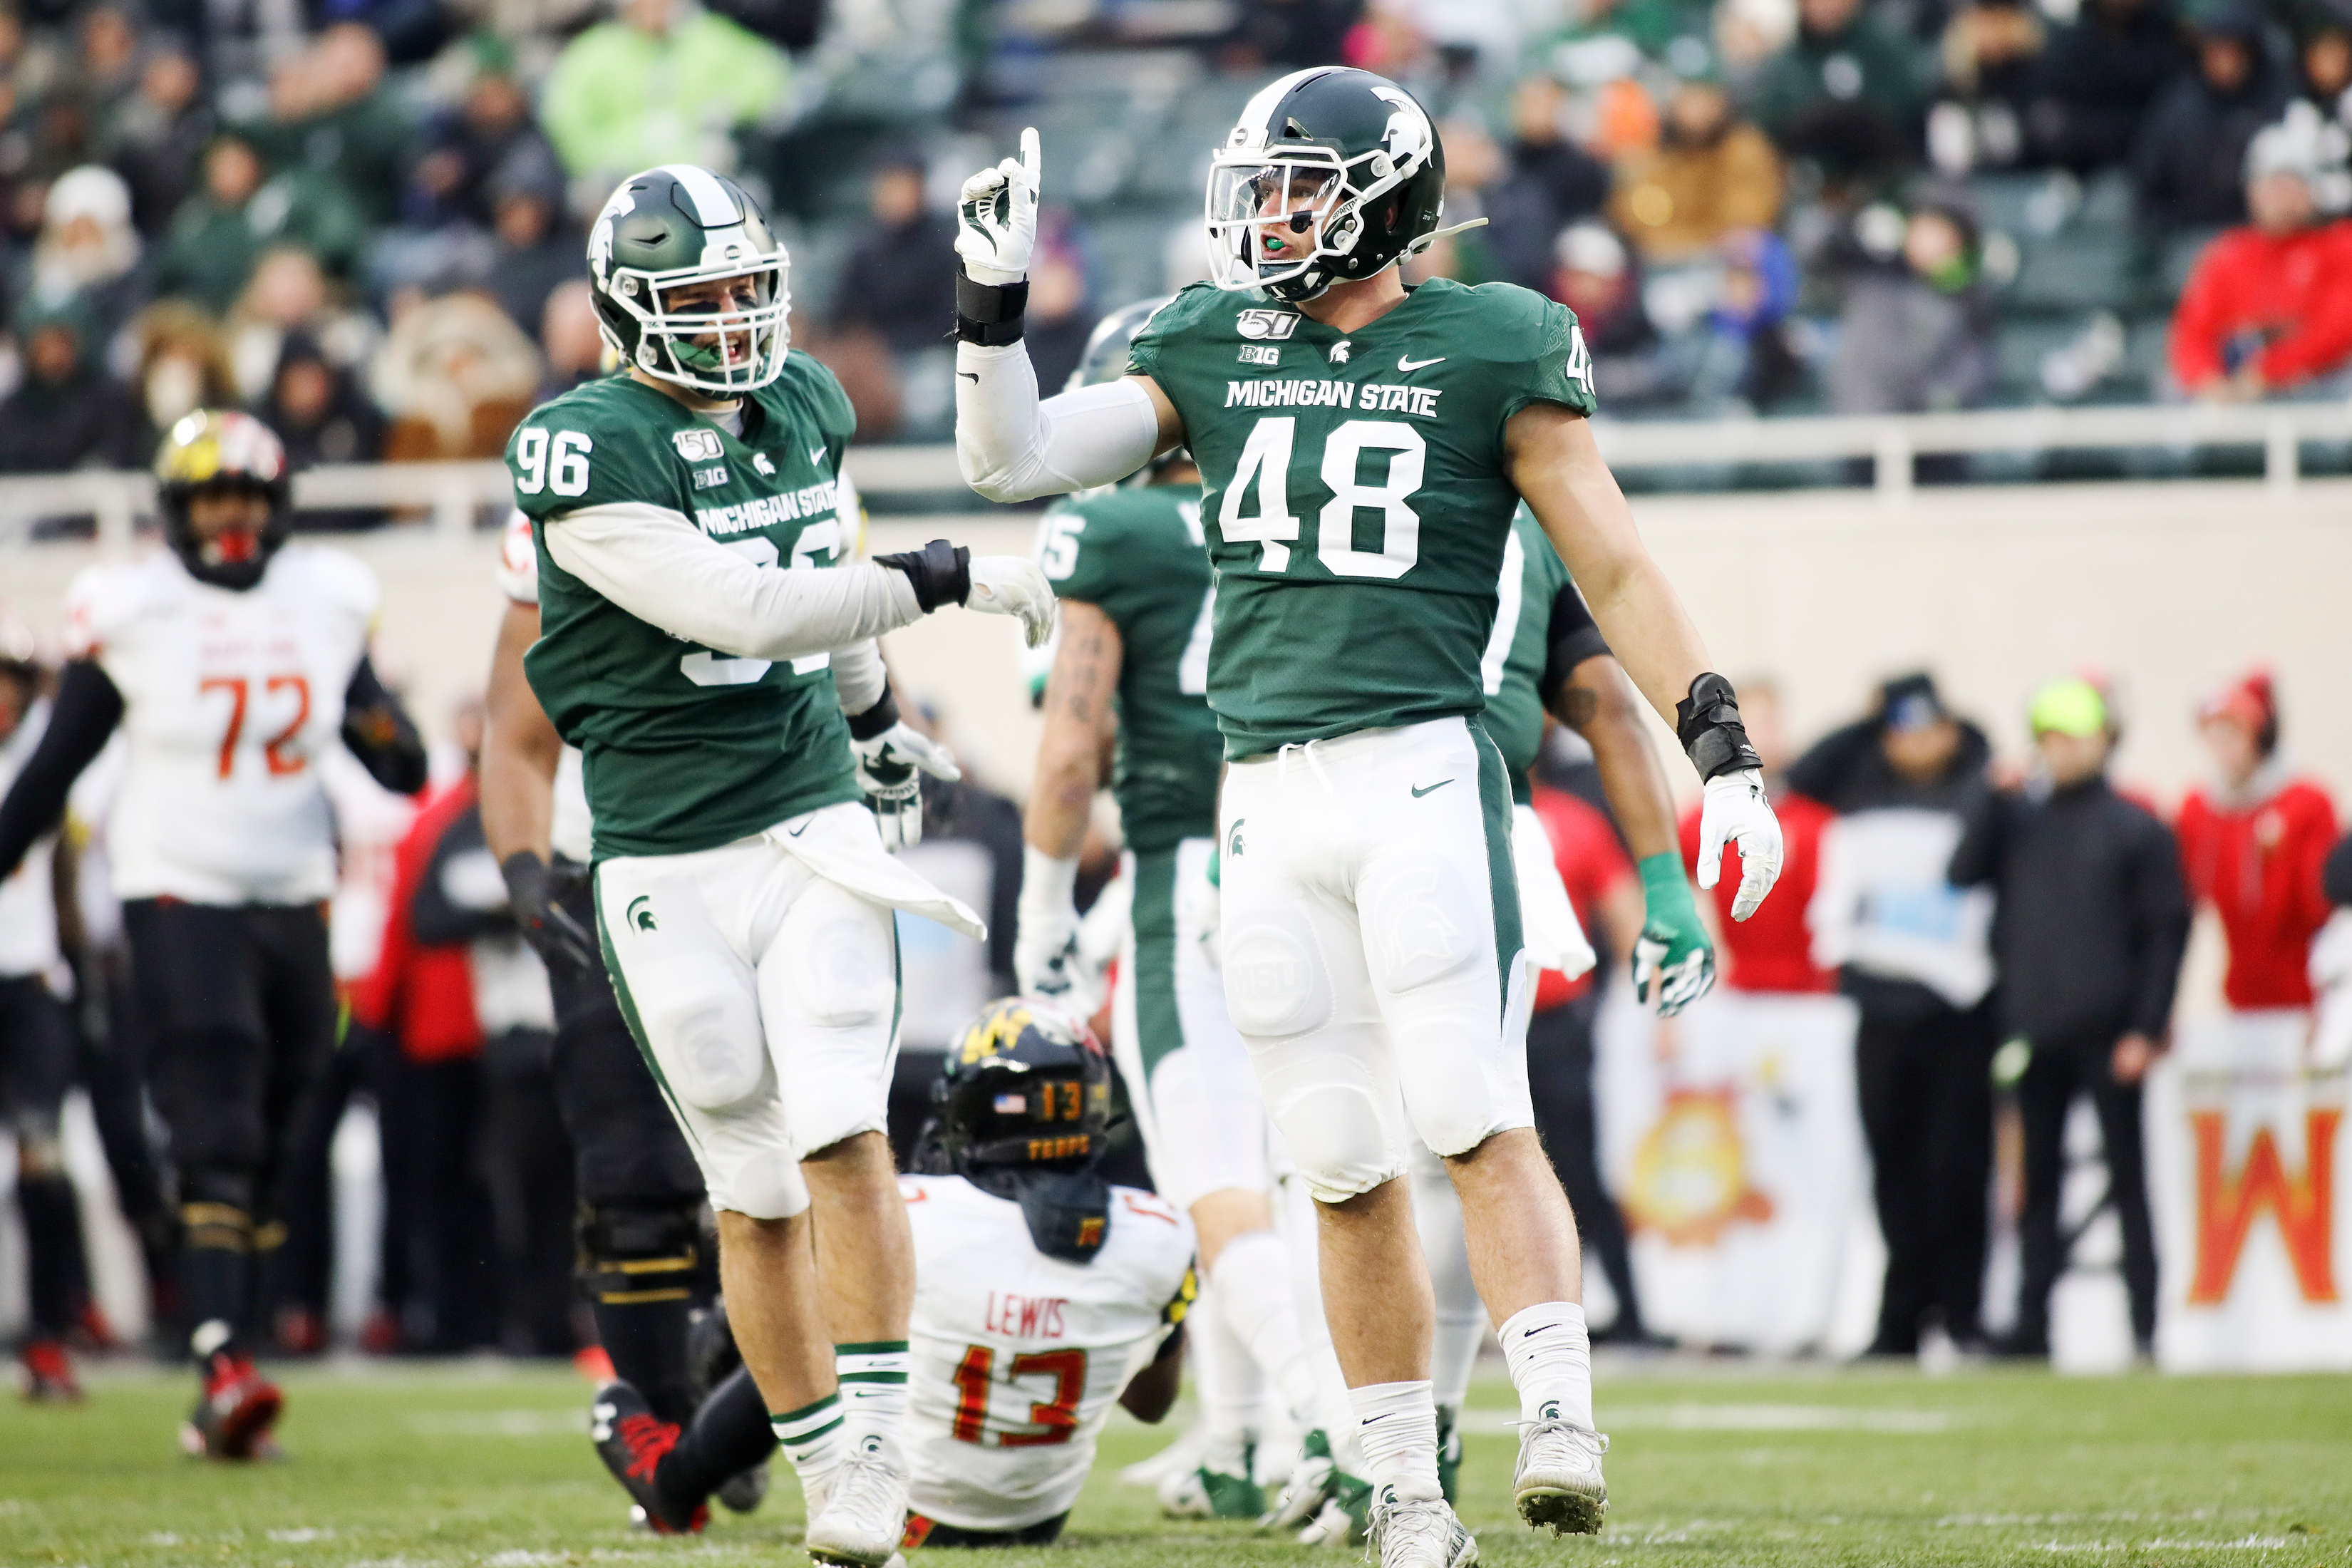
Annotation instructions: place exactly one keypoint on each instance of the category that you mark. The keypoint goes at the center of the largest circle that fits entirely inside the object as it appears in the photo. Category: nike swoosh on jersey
(816, 455)
(969, 374)
(1438, 785)
(1410, 366)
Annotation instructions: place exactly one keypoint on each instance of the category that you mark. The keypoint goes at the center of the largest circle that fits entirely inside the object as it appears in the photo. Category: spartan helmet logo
(1408, 137)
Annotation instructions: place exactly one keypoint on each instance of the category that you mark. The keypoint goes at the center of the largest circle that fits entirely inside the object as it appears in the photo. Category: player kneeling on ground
(1043, 1293)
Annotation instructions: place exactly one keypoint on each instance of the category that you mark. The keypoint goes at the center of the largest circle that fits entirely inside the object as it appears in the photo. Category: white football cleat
(1419, 1534)
(859, 1515)
(1559, 1481)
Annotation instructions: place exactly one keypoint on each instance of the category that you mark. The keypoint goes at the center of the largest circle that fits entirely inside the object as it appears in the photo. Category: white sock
(873, 1391)
(1255, 1302)
(1550, 1359)
(1461, 1316)
(813, 1438)
(1396, 1423)
(1231, 1386)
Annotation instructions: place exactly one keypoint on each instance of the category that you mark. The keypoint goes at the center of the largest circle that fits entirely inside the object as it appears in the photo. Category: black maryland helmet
(1025, 1088)
(217, 450)
(1331, 175)
(677, 224)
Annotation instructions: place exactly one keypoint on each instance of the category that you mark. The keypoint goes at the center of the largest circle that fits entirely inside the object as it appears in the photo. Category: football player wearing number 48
(1362, 447)
(705, 643)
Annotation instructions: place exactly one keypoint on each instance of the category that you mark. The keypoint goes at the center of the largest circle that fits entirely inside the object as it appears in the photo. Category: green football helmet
(679, 225)
(1331, 175)
(1105, 358)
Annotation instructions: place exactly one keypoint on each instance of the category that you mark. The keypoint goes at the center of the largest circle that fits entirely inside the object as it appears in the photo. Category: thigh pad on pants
(692, 994)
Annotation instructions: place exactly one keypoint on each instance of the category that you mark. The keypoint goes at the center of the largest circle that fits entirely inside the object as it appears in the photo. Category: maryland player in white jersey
(1043, 1294)
(232, 662)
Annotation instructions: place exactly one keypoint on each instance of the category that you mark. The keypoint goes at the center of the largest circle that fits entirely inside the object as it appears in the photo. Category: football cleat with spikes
(48, 1373)
(1419, 1534)
(1559, 1480)
(632, 1441)
(861, 1515)
(233, 1417)
(1346, 1516)
(1203, 1492)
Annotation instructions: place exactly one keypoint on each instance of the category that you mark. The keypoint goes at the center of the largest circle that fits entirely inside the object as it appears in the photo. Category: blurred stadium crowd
(362, 219)
(1948, 903)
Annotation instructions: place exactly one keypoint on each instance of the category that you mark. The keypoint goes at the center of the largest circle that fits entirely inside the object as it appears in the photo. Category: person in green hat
(2094, 918)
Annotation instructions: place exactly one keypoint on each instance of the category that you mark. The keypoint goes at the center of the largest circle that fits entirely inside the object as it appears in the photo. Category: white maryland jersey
(230, 700)
(570, 830)
(28, 908)
(1017, 1356)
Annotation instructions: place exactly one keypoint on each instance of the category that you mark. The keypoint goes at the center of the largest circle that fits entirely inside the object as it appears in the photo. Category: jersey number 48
(1264, 469)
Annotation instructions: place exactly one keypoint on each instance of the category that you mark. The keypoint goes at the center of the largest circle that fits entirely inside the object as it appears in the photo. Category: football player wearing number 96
(1362, 447)
(709, 646)
(232, 663)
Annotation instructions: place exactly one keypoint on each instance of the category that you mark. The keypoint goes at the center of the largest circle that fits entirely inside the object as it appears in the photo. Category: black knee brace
(629, 1254)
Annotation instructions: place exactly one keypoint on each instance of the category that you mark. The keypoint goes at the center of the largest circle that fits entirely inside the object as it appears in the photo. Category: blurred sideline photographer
(2091, 923)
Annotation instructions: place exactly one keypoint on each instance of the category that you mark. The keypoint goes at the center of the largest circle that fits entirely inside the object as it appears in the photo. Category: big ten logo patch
(2229, 1202)
(1260, 355)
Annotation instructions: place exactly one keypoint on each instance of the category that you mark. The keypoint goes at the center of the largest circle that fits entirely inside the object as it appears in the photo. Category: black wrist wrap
(1707, 724)
(990, 314)
(875, 719)
(941, 572)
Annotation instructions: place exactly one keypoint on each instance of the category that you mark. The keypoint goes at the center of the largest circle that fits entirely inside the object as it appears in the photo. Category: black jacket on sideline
(2094, 911)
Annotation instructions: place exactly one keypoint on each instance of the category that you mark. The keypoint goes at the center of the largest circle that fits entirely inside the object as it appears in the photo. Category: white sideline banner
(2251, 1191)
(1738, 1161)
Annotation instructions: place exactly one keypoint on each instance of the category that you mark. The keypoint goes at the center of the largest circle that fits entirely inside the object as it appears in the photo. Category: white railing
(451, 494)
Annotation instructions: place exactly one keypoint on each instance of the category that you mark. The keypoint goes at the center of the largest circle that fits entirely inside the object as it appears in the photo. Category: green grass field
(465, 1464)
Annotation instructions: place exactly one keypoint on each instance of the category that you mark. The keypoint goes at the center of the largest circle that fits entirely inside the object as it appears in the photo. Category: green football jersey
(684, 747)
(1356, 502)
(1136, 554)
(1512, 672)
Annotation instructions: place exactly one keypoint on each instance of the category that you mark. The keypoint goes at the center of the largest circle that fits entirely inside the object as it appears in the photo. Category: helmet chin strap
(1433, 236)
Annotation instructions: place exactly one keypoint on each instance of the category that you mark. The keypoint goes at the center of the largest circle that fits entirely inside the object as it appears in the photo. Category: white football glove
(1045, 959)
(1013, 585)
(887, 766)
(996, 219)
(1734, 810)
(1200, 918)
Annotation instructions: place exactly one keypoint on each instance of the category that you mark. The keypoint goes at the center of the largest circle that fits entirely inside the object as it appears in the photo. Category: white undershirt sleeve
(1011, 447)
(859, 676)
(657, 565)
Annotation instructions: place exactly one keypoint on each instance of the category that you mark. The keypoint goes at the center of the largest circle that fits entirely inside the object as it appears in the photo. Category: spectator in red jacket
(2252, 846)
(1773, 950)
(2269, 307)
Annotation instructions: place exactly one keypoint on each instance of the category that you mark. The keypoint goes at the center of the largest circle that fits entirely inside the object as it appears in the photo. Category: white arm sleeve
(1012, 448)
(657, 565)
(858, 676)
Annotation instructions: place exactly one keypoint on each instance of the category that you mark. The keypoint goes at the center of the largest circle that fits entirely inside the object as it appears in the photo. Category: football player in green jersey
(1137, 596)
(1362, 447)
(689, 646)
